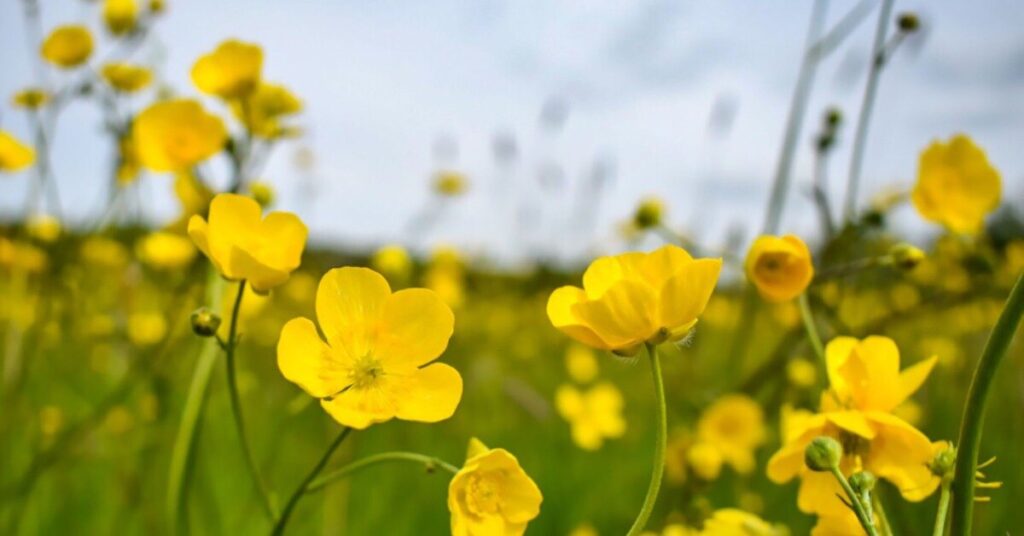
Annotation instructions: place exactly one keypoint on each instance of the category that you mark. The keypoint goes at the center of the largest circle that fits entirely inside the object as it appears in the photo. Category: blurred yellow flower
(649, 213)
(14, 155)
(146, 328)
(231, 71)
(450, 183)
(21, 256)
(377, 362)
(735, 522)
(128, 165)
(581, 363)
(585, 529)
(175, 135)
(838, 524)
(262, 192)
(780, 267)
(449, 284)
(393, 262)
(491, 495)
(126, 77)
(165, 251)
(104, 252)
(120, 16)
(593, 415)
(31, 98)
(243, 245)
(956, 185)
(705, 461)
(262, 111)
(866, 387)
(801, 373)
(633, 298)
(43, 227)
(67, 46)
(734, 425)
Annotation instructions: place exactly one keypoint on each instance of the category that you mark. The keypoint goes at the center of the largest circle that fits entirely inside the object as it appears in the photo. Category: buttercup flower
(956, 185)
(165, 251)
(593, 415)
(43, 227)
(242, 245)
(14, 155)
(633, 298)
(735, 522)
(32, 98)
(394, 262)
(377, 362)
(126, 77)
(120, 16)
(231, 71)
(450, 183)
(175, 135)
(780, 267)
(581, 363)
(734, 425)
(491, 495)
(262, 111)
(67, 46)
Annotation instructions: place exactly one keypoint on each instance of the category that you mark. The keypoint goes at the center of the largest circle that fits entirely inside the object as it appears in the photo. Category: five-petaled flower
(492, 495)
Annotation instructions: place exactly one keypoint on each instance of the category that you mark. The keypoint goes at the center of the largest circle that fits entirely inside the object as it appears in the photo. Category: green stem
(306, 482)
(236, 407)
(660, 439)
(940, 515)
(974, 411)
(858, 507)
(883, 520)
(811, 329)
(430, 462)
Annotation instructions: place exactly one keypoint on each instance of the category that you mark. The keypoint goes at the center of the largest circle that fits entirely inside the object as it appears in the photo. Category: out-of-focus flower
(21, 256)
(735, 522)
(450, 183)
(120, 16)
(780, 267)
(704, 460)
(801, 373)
(633, 298)
(393, 262)
(243, 245)
(165, 251)
(581, 363)
(175, 135)
(231, 71)
(67, 46)
(377, 363)
(193, 196)
(446, 275)
(262, 111)
(649, 213)
(492, 495)
(103, 252)
(262, 192)
(14, 155)
(126, 77)
(43, 227)
(32, 98)
(146, 328)
(956, 185)
(157, 6)
(585, 529)
(734, 425)
(593, 415)
(128, 165)
(843, 523)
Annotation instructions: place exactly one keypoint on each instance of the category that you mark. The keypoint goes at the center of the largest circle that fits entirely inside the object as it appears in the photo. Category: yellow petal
(685, 294)
(199, 231)
(605, 272)
(431, 394)
(261, 276)
(789, 460)
(233, 220)
(663, 263)
(476, 448)
(569, 402)
(872, 373)
(837, 352)
(852, 421)
(560, 307)
(284, 238)
(623, 315)
(359, 408)
(415, 328)
(914, 376)
(304, 359)
(900, 454)
(349, 304)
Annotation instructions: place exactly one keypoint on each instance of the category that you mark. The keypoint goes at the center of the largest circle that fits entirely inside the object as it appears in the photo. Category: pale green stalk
(660, 439)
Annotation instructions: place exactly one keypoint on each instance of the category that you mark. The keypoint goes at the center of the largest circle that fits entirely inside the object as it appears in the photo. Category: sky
(538, 100)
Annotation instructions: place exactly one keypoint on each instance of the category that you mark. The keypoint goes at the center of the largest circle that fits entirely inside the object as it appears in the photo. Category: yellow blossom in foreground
(956, 185)
(581, 363)
(126, 77)
(67, 46)
(120, 16)
(262, 111)
(633, 298)
(14, 155)
(43, 227)
(231, 71)
(31, 98)
(491, 495)
(175, 135)
(377, 362)
(734, 425)
(243, 245)
(450, 183)
(866, 387)
(165, 251)
(780, 267)
(593, 415)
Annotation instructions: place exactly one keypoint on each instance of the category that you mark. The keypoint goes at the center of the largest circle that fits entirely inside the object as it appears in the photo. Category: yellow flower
(705, 460)
(43, 227)
(734, 425)
(581, 363)
(801, 372)
(780, 267)
(103, 252)
(14, 155)
(838, 524)
(128, 165)
(376, 363)
(866, 387)
(120, 16)
(242, 245)
(21, 256)
(262, 111)
(165, 251)
(491, 495)
(126, 77)
(735, 522)
(593, 415)
(145, 329)
(67, 46)
(649, 213)
(956, 185)
(262, 192)
(31, 98)
(394, 262)
(450, 183)
(231, 71)
(633, 298)
(175, 135)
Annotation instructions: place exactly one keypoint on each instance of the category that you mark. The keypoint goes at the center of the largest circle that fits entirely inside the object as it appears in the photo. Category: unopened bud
(862, 482)
(906, 256)
(833, 117)
(908, 22)
(649, 213)
(263, 193)
(205, 322)
(943, 463)
(823, 454)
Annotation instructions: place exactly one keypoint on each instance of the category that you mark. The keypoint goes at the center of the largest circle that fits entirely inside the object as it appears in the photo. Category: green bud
(943, 463)
(863, 482)
(908, 22)
(649, 213)
(205, 322)
(833, 117)
(906, 256)
(823, 454)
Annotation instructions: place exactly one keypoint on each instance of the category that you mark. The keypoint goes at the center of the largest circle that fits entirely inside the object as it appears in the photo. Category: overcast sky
(621, 91)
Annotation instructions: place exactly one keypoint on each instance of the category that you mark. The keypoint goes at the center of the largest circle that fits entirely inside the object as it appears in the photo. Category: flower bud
(908, 22)
(833, 117)
(862, 482)
(906, 256)
(649, 213)
(823, 454)
(263, 193)
(205, 322)
(943, 463)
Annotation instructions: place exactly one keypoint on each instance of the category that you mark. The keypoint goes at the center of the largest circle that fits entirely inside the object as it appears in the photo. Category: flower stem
(236, 406)
(661, 438)
(940, 515)
(858, 507)
(304, 486)
(430, 462)
(812, 330)
(883, 520)
(974, 411)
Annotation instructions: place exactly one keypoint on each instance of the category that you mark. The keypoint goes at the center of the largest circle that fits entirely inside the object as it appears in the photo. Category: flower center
(482, 494)
(365, 372)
